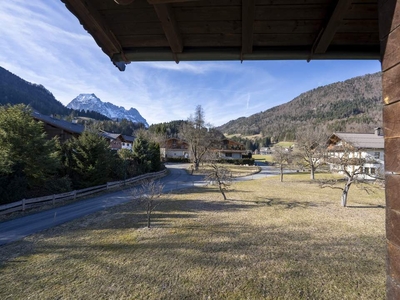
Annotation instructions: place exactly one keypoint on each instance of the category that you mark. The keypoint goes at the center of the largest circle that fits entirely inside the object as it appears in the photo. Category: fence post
(75, 195)
(54, 199)
(107, 186)
(23, 204)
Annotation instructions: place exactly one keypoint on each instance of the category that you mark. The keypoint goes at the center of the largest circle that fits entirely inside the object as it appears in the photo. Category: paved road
(178, 178)
(16, 229)
(266, 171)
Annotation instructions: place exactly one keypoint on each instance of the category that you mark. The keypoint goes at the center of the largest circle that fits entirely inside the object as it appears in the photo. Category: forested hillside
(15, 90)
(167, 129)
(353, 105)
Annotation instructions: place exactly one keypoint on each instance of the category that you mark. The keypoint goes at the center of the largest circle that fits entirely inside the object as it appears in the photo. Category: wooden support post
(389, 32)
(23, 204)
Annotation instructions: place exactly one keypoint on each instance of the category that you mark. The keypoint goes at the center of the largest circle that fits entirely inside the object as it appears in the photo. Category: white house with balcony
(367, 148)
(118, 141)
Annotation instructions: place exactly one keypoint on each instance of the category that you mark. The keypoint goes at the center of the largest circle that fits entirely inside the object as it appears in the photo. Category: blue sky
(43, 43)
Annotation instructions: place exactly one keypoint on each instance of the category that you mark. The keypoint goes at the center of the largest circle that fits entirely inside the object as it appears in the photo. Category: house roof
(128, 138)
(362, 140)
(62, 124)
(187, 30)
(114, 136)
(179, 142)
(110, 136)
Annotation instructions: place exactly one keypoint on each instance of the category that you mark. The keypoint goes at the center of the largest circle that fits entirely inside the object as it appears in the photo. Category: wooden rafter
(94, 23)
(324, 40)
(248, 10)
(170, 26)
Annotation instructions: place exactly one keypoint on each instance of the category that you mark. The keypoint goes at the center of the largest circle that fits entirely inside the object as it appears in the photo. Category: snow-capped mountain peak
(91, 102)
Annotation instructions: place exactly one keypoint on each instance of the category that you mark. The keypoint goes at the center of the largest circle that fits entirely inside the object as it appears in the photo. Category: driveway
(177, 178)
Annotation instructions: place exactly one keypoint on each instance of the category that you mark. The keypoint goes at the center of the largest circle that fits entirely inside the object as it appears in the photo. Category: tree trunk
(148, 215)
(312, 172)
(281, 173)
(148, 220)
(222, 191)
(196, 165)
(346, 193)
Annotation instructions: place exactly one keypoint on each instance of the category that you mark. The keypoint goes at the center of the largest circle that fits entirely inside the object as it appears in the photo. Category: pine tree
(27, 157)
(154, 156)
(89, 160)
(140, 154)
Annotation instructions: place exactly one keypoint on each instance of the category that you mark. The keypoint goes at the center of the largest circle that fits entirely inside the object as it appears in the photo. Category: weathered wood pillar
(389, 31)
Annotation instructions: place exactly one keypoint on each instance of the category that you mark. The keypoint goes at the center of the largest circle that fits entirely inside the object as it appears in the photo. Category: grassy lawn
(236, 170)
(270, 240)
(263, 158)
(284, 144)
(249, 137)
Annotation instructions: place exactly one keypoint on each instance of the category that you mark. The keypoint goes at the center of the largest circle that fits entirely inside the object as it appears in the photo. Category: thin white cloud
(189, 67)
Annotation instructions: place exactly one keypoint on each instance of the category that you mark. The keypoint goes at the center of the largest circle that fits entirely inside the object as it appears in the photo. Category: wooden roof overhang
(195, 30)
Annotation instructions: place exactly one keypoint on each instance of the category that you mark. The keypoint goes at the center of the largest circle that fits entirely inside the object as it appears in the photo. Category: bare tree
(349, 161)
(148, 195)
(282, 158)
(200, 136)
(220, 176)
(311, 148)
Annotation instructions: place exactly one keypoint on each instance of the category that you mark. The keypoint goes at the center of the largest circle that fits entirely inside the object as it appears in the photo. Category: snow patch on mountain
(91, 102)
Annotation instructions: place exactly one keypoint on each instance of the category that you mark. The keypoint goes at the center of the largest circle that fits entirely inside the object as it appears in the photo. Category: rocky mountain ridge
(90, 102)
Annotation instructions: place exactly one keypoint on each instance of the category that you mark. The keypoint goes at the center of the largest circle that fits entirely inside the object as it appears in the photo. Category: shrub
(178, 159)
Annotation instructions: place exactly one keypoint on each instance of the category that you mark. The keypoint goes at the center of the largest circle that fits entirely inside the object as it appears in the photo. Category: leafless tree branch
(148, 195)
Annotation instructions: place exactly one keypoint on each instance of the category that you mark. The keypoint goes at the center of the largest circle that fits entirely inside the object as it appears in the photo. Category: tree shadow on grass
(227, 204)
(199, 205)
(366, 206)
(9, 252)
(133, 215)
(279, 202)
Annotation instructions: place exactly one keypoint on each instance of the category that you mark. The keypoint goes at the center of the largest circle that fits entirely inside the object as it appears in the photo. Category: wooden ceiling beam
(328, 32)
(168, 1)
(170, 26)
(248, 12)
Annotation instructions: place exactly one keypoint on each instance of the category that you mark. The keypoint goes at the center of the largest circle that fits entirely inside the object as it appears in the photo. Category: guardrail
(39, 201)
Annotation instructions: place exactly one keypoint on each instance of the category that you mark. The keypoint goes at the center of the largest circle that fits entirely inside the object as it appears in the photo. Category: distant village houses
(65, 130)
(177, 148)
(265, 151)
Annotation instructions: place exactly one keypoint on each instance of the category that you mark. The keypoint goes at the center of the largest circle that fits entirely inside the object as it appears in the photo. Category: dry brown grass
(271, 240)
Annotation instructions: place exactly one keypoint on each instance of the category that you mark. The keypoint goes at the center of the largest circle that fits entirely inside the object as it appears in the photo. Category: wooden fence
(35, 202)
